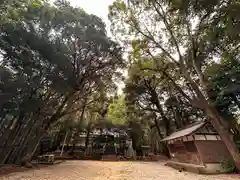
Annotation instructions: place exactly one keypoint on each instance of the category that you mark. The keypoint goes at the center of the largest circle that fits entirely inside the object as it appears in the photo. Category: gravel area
(97, 170)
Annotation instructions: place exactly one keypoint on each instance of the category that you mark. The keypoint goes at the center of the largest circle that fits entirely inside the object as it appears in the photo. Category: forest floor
(102, 170)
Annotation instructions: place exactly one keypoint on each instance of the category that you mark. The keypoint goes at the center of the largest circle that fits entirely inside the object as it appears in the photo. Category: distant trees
(154, 102)
(55, 61)
(117, 111)
(154, 94)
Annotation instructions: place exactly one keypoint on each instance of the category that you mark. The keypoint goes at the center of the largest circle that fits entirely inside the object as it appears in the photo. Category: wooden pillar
(199, 152)
(186, 151)
(169, 149)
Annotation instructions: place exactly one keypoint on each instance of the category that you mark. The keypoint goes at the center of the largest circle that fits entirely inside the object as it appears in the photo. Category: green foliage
(189, 32)
(183, 38)
(228, 166)
(224, 86)
(36, 4)
(148, 90)
(56, 62)
(117, 112)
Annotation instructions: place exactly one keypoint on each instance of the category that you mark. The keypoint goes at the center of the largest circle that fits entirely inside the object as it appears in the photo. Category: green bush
(228, 166)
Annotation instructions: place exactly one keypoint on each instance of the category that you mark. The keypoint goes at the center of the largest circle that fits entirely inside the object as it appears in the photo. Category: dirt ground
(97, 170)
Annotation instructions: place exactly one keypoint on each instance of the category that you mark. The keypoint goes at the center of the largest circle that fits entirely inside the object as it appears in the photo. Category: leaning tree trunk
(24, 141)
(227, 137)
(10, 147)
(219, 123)
(33, 145)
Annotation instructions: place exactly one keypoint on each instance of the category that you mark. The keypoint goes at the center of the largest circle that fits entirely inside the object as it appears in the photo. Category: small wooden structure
(46, 159)
(198, 144)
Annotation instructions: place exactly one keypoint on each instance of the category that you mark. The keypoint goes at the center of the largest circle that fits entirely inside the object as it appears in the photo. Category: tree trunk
(234, 121)
(78, 130)
(220, 124)
(11, 145)
(17, 146)
(163, 145)
(64, 142)
(158, 128)
(87, 137)
(8, 136)
(164, 118)
(74, 142)
(24, 144)
(2, 119)
(177, 117)
(25, 140)
(221, 127)
(155, 101)
(22, 141)
(32, 148)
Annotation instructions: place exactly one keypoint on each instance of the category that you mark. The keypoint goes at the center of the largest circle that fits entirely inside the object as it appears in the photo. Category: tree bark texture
(227, 137)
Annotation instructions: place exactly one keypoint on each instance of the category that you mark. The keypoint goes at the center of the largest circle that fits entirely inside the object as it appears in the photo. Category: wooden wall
(185, 152)
(203, 146)
(212, 151)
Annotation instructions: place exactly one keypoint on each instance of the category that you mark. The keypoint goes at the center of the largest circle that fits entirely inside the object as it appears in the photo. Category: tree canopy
(183, 38)
(56, 60)
(59, 68)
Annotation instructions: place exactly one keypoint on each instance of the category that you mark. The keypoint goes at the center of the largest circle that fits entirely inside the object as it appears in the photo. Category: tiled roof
(184, 132)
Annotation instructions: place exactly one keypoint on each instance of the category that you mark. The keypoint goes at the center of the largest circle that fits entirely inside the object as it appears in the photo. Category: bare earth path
(97, 170)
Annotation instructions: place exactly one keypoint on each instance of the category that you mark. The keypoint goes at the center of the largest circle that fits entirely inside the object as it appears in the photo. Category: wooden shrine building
(198, 145)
